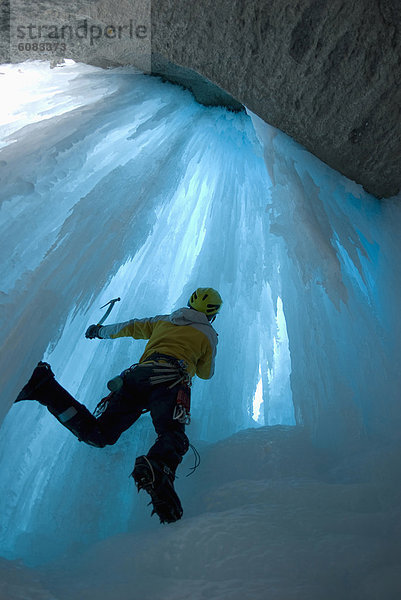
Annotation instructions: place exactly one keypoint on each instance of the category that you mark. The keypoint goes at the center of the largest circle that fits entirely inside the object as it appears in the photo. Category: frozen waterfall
(116, 184)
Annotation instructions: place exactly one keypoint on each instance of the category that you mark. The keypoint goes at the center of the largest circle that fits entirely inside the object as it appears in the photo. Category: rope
(197, 460)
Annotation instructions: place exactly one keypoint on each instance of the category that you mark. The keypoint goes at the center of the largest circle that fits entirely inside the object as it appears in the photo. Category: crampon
(157, 480)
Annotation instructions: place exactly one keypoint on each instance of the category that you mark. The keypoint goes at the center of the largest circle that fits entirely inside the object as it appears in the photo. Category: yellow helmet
(206, 300)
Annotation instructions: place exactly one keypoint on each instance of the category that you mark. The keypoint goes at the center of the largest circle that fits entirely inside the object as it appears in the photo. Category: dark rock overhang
(326, 72)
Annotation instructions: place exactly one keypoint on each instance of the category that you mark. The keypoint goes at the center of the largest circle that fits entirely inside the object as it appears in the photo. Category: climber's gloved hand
(93, 332)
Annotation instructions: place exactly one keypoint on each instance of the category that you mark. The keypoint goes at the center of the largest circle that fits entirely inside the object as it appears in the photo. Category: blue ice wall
(341, 287)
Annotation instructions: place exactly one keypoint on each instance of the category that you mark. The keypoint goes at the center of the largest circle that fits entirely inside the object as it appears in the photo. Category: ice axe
(108, 311)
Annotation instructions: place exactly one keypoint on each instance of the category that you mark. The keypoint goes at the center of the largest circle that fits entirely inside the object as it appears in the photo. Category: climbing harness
(170, 369)
(164, 369)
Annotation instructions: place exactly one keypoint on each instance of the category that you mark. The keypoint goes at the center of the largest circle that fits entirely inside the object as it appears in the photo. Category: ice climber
(181, 345)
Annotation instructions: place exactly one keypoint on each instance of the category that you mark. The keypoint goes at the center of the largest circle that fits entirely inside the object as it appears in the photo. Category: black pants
(124, 407)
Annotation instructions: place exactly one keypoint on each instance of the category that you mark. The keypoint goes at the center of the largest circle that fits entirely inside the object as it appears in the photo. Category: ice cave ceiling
(326, 72)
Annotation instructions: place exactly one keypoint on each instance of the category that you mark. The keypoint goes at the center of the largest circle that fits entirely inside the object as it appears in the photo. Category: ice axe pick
(108, 311)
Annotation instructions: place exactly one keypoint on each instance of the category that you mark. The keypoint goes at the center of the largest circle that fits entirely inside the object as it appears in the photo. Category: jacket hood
(186, 316)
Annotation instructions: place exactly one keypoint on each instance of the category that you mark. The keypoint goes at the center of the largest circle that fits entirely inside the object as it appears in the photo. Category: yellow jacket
(186, 334)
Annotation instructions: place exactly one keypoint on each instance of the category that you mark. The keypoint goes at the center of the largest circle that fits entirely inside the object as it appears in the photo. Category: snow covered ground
(266, 517)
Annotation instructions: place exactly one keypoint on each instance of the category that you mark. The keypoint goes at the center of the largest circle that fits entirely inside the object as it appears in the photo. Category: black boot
(158, 481)
(44, 388)
(41, 374)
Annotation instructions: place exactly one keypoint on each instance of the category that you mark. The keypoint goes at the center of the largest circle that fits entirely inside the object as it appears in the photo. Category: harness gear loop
(183, 406)
(168, 369)
(101, 407)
